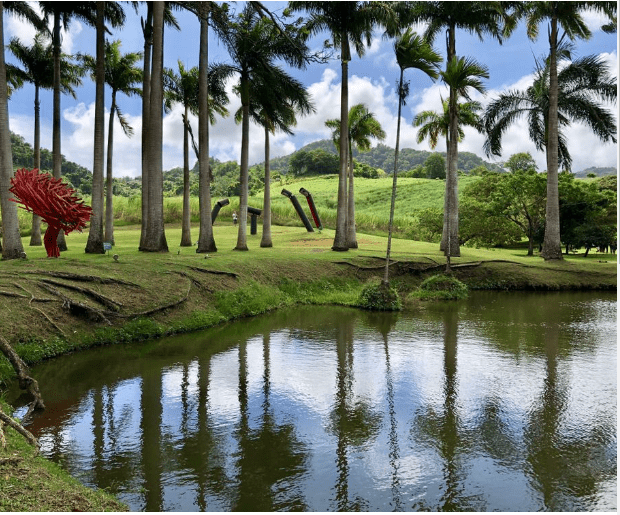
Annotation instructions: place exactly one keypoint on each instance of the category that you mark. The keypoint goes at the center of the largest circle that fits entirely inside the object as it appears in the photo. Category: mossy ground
(300, 268)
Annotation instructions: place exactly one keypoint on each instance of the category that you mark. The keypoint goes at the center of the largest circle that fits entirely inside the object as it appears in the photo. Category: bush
(441, 287)
(378, 296)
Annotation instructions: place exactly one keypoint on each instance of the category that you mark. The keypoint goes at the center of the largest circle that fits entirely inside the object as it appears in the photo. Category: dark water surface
(503, 402)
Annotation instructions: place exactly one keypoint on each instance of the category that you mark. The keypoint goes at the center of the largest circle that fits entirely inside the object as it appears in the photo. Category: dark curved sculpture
(216, 209)
(299, 210)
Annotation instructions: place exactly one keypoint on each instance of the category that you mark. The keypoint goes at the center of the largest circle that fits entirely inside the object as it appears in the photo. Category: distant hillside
(382, 156)
(598, 171)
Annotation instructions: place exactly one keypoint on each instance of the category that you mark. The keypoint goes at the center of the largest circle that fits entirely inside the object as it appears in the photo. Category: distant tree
(521, 161)
(435, 166)
(314, 162)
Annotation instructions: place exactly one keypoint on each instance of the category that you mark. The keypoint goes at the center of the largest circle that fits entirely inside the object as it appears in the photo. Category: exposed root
(32, 297)
(216, 272)
(20, 429)
(102, 299)
(77, 308)
(84, 278)
(12, 294)
(196, 283)
(158, 309)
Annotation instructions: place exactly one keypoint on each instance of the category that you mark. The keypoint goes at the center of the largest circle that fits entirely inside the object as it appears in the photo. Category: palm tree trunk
(155, 239)
(109, 185)
(56, 155)
(266, 237)
(340, 238)
(186, 234)
(206, 242)
(243, 178)
(35, 233)
(386, 275)
(12, 247)
(351, 236)
(146, 95)
(452, 245)
(552, 247)
(94, 244)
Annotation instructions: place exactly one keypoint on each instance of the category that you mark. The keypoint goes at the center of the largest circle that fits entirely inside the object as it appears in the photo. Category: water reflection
(504, 402)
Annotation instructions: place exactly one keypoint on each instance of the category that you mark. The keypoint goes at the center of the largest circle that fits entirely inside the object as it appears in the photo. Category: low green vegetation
(441, 287)
(378, 296)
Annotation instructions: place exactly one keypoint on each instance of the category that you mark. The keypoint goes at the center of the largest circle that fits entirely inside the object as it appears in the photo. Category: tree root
(77, 308)
(102, 299)
(84, 278)
(158, 309)
(4, 418)
(216, 272)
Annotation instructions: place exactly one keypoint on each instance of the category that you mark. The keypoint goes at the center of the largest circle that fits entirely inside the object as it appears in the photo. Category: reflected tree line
(260, 463)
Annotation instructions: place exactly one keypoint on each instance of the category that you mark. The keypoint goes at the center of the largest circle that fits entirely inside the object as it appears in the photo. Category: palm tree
(480, 18)
(273, 105)
(155, 237)
(38, 70)
(12, 247)
(461, 75)
(254, 43)
(583, 85)
(122, 76)
(566, 15)
(349, 23)
(183, 88)
(411, 52)
(362, 126)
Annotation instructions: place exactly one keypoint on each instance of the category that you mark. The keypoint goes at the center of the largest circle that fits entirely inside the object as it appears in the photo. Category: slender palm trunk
(351, 234)
(146, 95)
(243, 178)
(340, 238)
(186, 234)
(206, 242)
(94, 244)
(12, 247)
(35, 233)
(552, 247)
(109, 183)
(266, 238)
(386, 275)
(56, 152)
(155, 239)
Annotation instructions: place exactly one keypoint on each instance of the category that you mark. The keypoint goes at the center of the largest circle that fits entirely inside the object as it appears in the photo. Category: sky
(372, 81)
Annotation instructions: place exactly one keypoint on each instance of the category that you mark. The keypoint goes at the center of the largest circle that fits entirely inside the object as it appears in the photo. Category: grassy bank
(53, 306)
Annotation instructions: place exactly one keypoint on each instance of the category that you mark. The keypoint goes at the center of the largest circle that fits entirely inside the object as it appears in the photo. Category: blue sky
(372, 81)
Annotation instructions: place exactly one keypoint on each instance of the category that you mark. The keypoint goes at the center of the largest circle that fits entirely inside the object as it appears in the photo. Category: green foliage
(314, 162)
(435, 166)
(378, 296)
(441, 287)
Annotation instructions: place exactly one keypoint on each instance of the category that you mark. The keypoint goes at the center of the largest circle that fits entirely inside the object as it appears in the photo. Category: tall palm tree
(568, 17)
(584, 85)
(461, 75)
(496, 19)
(122, 76)
(412, 51)
(274, 105)
(183, 88)
(254, 43)
(362, 125)
(62, 14)
(350, 23)
(155, 237)
(38, 70)
(11, 246)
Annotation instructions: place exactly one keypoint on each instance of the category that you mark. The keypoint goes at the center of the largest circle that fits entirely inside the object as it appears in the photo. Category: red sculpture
(54, 201)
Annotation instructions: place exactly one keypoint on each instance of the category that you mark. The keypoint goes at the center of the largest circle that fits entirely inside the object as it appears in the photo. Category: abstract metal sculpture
(54, 201)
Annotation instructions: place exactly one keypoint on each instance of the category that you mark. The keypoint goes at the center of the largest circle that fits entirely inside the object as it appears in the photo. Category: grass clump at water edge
(379, 296)
(441, 287)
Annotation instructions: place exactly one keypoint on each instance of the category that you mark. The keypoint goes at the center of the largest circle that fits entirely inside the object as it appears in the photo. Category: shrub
(441, 287)
(379, 296)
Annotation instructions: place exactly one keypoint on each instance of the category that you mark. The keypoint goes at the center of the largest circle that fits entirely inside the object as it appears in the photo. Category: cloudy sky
(372, 81)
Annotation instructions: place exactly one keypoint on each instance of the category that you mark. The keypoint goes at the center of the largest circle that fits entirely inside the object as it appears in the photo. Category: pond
(502, 402)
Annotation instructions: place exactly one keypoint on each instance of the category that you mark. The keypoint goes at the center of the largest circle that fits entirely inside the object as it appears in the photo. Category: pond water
(503, 402)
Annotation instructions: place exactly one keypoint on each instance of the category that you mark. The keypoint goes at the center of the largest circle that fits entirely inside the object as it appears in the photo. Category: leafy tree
(567, 16)
(520, 161)
(362, 125)
(38, 70)
(314, 162)
(435, 166)
(122, 76)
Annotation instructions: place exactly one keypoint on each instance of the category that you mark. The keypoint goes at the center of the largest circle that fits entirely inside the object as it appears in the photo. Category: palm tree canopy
(584, 85)
(38, 65)
(413, 51)
(433, 124)
(362, 126)
(463, 74)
